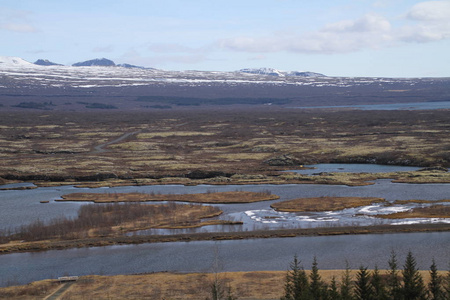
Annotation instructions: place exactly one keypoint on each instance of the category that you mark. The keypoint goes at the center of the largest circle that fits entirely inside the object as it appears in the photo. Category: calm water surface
(19, 207)
(244, 255)
(393, 106)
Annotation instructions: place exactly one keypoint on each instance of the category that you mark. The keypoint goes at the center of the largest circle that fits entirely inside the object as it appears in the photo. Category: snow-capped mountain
(275, 72)
(23, 84)
(13, 61)
(263, 71)
(16, 73)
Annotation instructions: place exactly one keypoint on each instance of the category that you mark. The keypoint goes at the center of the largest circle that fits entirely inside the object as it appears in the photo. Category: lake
(393, 106)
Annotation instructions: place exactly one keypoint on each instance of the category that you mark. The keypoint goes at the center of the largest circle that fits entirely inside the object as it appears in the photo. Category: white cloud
(368, 23)
(16, 21)
(431, 22)
(18, 27)
(428, 22)
(371, 30)
(430, 11)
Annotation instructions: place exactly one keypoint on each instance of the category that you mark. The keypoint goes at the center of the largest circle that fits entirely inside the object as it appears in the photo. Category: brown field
(435, 211)
(245, 285)
(324, 203)
(218, 147)
(219, 197)
(420, 201)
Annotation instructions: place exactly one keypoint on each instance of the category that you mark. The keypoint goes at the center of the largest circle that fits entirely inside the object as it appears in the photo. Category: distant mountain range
(103, 84)
(45, 62)
(104, 62)
(98, 62)
(275, 72)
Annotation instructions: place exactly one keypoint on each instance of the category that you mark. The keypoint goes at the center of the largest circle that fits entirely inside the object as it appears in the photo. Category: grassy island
(212, 198)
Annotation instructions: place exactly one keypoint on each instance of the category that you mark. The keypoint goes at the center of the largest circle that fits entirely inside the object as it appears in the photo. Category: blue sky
(389, 38)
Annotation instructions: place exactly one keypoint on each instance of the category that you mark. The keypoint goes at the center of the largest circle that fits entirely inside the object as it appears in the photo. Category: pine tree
(393, 279)
(297, 285)
(346, 285)
(316, 286)
(363, 288)
(333, 292)
(379, 289)
(447, 284)
(434, 286)
(413, 287)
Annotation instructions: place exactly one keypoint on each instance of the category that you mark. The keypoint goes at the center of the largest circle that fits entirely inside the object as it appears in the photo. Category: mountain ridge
(104, 62)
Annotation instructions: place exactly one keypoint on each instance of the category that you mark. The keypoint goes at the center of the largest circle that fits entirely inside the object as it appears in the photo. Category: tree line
(396, 284)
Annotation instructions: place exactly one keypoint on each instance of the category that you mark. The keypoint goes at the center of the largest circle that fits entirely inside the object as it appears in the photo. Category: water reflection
(18, 207)
(353, 168)
(393, 106)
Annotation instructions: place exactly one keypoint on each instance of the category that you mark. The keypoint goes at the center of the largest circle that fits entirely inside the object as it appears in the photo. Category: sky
(374, 38)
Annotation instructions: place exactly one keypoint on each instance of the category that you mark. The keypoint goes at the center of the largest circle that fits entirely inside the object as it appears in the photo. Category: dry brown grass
(245, 285)
(220, 197)
(324, 203)
(35, 290)
(420, 201)
(62, 146)
(435, 211)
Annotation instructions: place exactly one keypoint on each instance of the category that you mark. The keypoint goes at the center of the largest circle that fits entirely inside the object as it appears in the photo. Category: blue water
(353, 168)
(241, 255)
(394, 106)
(19, 207)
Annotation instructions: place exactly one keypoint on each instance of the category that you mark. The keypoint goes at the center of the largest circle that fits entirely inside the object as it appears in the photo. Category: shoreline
(218, 236)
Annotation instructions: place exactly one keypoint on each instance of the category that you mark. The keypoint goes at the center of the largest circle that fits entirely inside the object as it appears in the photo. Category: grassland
(263, 285)
(324, 203)
(212, 198)
(434, 211)
(212, 147)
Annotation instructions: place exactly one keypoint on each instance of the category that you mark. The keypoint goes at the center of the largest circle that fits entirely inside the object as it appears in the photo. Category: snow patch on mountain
(275, 72)
(11, 61)
(263, 71)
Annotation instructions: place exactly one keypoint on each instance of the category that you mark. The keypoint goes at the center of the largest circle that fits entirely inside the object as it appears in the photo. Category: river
(19, 207)
(332, 252)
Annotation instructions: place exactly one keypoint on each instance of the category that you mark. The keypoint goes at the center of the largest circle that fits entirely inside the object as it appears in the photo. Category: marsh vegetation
(112, 220)
(211, 197)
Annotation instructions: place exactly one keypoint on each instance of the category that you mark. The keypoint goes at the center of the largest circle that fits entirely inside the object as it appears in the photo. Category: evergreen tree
(378, 284)
(346, 285)
(435, 284)
(297, 285)
(393, 279)
(316, 286)
(333, 292)
(447, 284)
(413, 287)
(363, 287)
